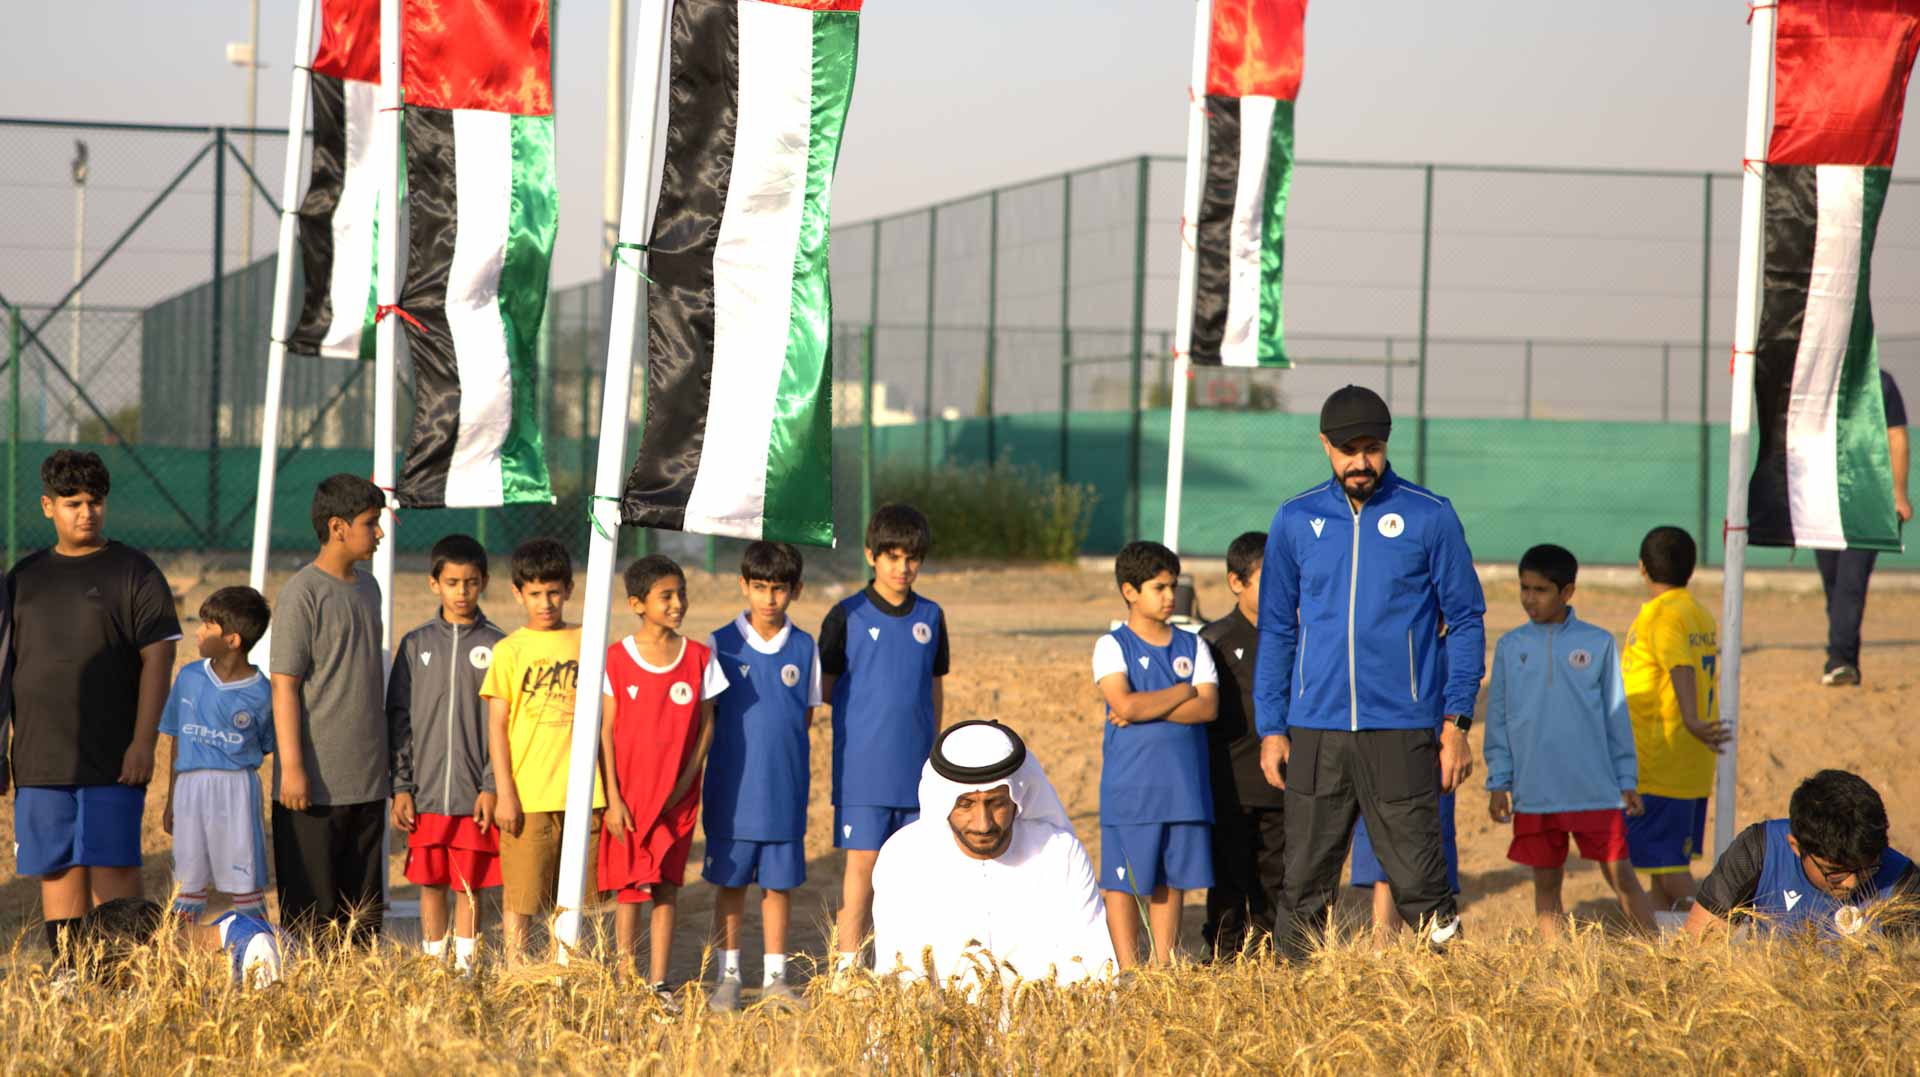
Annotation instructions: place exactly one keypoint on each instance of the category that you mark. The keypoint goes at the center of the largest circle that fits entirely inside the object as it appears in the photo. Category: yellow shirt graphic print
(1672, 630)
(538, 673)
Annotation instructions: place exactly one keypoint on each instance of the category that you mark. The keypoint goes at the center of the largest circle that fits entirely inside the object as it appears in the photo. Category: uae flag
(337, 215)
(1254, 59)
(481, 210)
(738, 438)
(1823, 478)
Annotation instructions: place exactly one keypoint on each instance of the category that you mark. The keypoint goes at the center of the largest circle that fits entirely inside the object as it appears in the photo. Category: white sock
(776, 970)
(435, 948)
(729, 965)
(463, 951)
(846, 960)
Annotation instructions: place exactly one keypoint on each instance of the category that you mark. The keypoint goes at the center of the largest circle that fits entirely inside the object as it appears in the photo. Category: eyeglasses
(1835, 876)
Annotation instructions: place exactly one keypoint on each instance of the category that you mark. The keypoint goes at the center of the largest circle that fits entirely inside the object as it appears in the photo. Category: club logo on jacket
(242, 719)
(480, 657)
(789, 675)
(745, 669)
(426, 658)
(1239, 653)
(922, 632)
(633, 691)
(1793, 898)
(681, 693)
(1580, 659)
(1391, 525)
(1319, 525)
(874, 632)
(1183, 667)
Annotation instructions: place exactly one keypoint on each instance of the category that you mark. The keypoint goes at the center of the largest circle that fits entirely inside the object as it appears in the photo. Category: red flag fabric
(1257, 48)
(491, 55)
(1840, 80)
(349, 40)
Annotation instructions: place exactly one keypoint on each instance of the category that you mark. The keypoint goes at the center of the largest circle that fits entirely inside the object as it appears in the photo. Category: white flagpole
(635, 204)
(282, 300)
(386, 331)
(1746, 329)
(1189, 237)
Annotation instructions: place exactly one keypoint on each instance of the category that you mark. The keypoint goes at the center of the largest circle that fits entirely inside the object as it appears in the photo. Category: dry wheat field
(1022, 640)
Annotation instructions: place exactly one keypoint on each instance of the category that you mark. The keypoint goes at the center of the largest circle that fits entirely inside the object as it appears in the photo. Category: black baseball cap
(1355, 412)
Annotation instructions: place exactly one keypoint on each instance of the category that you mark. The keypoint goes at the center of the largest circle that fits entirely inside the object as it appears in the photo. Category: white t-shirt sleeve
(1108, 659)
(715, 681)
(1204, 671)
(606, 684)
(814, 697)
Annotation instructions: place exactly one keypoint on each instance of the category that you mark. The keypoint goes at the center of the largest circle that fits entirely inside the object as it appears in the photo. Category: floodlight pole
(1189, 239)
(603, 506)
(1746, 331)
(282, 303)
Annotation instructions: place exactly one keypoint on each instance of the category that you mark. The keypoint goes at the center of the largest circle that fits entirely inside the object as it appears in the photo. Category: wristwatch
(1461, 722)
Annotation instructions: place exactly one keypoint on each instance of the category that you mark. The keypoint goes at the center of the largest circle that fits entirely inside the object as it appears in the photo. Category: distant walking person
(1844, 573)
(1360, 572)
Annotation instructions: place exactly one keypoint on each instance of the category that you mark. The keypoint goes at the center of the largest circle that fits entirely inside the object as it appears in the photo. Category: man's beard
(1367, 480)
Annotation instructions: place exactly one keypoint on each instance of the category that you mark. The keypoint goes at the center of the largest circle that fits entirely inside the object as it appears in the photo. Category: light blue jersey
(218, 726)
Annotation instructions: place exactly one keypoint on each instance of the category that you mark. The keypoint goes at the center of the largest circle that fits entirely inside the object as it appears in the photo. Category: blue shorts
(1669, 836)
(1367, 871)
(1143, 857)
(774, 865)
(868, 826)
(56, 827)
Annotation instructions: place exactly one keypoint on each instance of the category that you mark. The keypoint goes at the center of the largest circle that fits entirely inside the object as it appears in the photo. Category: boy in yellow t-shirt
(1669, 666)
(530, 692)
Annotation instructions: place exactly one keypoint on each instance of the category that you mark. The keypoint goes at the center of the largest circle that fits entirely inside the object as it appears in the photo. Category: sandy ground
(1022, 640)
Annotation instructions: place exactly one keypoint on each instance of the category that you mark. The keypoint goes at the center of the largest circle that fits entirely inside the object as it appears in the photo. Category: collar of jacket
(1573, 621)
(479, 621)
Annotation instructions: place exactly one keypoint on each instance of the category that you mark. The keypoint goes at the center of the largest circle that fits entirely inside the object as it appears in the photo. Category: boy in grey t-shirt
(330, 776)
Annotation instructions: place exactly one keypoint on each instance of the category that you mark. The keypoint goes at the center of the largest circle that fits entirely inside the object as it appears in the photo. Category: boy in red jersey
(659, 689)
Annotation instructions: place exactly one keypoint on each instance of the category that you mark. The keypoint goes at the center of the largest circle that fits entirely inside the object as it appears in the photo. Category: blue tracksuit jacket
(1558, 734)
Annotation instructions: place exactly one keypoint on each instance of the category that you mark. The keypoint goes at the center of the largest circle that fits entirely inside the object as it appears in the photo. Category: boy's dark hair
(1836, 816)
(345, 496)
(899, 527)
(66, 472)
(118, 928)
(649, 570)
(1139, 562)
(1244, 555)
(1668, 555)
(1556, 563)
(541, 560)
(771, 562)
(458, 550)
(240, 611)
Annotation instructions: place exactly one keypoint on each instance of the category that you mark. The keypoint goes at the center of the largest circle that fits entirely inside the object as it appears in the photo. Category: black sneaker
(1841, 676)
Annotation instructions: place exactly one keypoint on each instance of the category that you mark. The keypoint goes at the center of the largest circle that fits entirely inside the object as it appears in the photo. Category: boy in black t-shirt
(1247, 834)
(93, 638)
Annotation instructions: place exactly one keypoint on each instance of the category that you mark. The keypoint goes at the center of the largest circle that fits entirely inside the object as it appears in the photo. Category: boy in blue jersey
(1156, 797)
(757, 768)
(220, 719)
(882, 654)
(1561, 764)
(1825, 869)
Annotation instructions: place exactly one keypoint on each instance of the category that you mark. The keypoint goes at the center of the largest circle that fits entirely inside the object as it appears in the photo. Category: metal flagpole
(1189, 235)
(635, 203)
(282, 302)
(1746, 328)
(386, 338)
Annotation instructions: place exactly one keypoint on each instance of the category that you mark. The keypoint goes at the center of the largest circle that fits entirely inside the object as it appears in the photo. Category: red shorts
(631, 864)
(1540, 839)
(451, 850)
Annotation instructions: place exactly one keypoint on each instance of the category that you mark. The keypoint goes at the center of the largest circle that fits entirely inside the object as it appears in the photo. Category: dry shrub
(1590, 1004)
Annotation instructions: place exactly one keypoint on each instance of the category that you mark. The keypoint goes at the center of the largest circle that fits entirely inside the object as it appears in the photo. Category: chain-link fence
(1553, 340)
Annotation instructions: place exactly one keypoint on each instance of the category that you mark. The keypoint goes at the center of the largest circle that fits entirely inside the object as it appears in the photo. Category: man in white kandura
(992, 866)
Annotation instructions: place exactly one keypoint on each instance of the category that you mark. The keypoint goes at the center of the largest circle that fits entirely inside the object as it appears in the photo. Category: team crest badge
(1580, 659)
(789, 675)
(1848, 919)
(922, 632)
(242, 720)
(480, 657)
(1183, 666)
(1392, 524)
(681, 693)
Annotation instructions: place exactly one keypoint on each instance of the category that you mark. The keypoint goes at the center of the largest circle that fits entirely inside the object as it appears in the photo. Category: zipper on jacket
(1413, 671)
(453, 694)
(1300, 665)
(1550, 629)
(1353, 592)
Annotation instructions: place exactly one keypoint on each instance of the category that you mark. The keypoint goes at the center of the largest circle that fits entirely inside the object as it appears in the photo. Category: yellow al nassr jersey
(1672, 630)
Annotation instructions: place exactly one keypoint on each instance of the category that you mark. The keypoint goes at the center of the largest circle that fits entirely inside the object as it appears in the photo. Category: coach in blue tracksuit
(1360, 574)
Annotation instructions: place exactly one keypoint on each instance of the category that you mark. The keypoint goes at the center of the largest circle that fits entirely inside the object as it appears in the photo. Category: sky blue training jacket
(1558, 735)
(1351, 604)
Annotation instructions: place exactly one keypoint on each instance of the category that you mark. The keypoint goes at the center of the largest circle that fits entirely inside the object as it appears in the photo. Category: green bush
(1002, 513)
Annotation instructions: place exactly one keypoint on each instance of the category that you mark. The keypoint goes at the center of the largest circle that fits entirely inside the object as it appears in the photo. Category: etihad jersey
(1672, 630)
(218, 725)
(884, 659)
(1154, 772)
(758, 766)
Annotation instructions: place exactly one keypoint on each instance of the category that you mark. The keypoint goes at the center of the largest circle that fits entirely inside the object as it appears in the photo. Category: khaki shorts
(530, 863)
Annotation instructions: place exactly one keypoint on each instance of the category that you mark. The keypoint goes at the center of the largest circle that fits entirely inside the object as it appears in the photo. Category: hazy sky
(954, 97)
